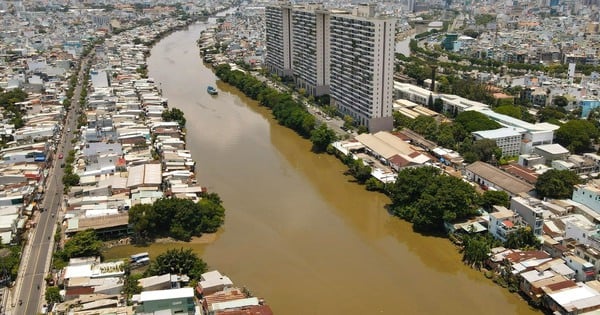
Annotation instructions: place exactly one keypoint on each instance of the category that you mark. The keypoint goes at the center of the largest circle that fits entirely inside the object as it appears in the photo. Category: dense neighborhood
(486, 131)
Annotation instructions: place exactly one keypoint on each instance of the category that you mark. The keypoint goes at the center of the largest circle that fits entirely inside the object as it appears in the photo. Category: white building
(579, 228)
(311, 41)
(533, 134)
(348, 54)
(362, 66)
(507, 139)
(413, 93)
(278, 19)
(531, 211)
(502, 223)
(589, 195)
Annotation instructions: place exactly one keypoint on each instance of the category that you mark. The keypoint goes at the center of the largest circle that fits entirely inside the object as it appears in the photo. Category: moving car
(60, 156)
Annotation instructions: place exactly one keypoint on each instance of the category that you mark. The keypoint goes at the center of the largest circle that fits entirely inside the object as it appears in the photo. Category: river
(298, 232)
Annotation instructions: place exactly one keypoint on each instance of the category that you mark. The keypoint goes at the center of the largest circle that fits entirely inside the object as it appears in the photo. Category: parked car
(60, 156)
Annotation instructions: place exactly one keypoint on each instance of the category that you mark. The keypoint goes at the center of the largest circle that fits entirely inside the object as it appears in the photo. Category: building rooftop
(505, 181)
(157, 295)
(498, 133)
(554, 148)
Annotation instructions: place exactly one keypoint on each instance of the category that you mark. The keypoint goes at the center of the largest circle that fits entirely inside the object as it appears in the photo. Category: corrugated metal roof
(499, 178)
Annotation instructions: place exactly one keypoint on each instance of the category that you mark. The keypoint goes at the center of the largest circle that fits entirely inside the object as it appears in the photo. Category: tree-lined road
(29, 291)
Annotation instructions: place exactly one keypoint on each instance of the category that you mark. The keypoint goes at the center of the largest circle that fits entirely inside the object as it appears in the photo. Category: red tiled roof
(249, 310)
(561, 285)
(223, 296)
(519, 171)
(399, 160)
(414, 154)
(526, 255)
(74, 291)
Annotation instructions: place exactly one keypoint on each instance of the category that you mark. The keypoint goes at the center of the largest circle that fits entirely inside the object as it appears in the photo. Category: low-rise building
(551, 152)
(502, 222)
(588, 194)
(507, 139)
(531, 212)
(487, 175)
(173, 301)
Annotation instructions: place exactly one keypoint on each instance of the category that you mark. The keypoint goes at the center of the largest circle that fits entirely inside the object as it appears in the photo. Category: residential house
(502, 223)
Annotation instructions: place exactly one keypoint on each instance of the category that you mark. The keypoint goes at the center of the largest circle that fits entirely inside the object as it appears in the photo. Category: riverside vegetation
(424, 196)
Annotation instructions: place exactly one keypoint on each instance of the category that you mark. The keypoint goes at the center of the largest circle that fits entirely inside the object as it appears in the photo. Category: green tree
(551, 114)
(577, 135)
(177, 261)
(174, 114)
(142, 218)
(522, 238)
(427, 198)
(492, 198)
(373, 184)
(510, 110)
(177, 218)
(348, 122)
(83, 244)
(359, 170)
(475, 121)
(476, 250)
(53, 295)
(486, 150)
(132, 285)
(70, 179)
(321, 137)
(212, 213)
(556, 184)
(426, 126)
(560, 101)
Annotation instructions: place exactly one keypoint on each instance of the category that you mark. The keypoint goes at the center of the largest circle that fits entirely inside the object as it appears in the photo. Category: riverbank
(226, 75)
(293, 216)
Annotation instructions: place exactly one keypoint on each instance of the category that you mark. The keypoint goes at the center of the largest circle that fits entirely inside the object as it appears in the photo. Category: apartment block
(348, 54)
(310, 26)
(279, 39)
(362, 65)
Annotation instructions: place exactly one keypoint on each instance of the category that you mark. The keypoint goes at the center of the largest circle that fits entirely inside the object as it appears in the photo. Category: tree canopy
(285, 109)
(177, 261)
(321, 137)
(8, 99)
(81, 244)
(486, 150)
(522, 238)
(177, 218)
(475, 121)
(174, 114)
(53, 295)
(492, 198)
(476, 249)
(577, 135)
(427, 198)
(557, 184)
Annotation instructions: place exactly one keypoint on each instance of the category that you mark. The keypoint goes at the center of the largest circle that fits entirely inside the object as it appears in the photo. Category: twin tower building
(346, 54)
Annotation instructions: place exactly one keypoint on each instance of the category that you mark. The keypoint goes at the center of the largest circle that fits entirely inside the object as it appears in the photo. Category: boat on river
(211, 90)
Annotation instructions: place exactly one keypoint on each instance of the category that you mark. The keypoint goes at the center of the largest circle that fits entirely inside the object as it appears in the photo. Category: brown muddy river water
(298, 232)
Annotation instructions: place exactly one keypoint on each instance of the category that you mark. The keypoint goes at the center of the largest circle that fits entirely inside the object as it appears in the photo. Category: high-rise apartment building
(349, 55)
(362, 67)
(279, 39)
(310, 28)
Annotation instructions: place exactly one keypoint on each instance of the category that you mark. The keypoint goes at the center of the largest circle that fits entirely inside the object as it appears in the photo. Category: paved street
(35, 263)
